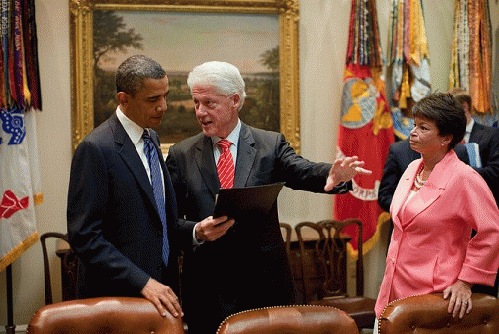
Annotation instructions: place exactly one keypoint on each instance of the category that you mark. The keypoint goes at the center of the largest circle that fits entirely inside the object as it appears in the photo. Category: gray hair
(133, 71)
(222, 76)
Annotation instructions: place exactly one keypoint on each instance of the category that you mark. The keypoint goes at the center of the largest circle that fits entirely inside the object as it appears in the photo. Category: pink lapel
(433, 188)
(403, 189)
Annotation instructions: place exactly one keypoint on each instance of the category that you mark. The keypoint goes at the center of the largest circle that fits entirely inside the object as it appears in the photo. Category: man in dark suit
(127, 244)
(246, 268)
(486, 139)
(483, 146)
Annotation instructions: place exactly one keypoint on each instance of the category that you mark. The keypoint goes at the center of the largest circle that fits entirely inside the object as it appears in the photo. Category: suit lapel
(206, 164)
(423, 199)
(476, 133)
(131, 158)
(433, 189)
(403, 188)
(246, 154)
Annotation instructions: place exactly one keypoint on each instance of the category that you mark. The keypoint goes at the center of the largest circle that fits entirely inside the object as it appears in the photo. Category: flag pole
(10, 328)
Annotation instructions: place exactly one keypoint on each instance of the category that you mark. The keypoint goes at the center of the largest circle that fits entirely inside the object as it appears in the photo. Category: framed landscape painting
(259, 37)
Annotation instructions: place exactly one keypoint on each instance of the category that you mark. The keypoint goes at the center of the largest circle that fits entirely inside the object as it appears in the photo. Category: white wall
(323, 40)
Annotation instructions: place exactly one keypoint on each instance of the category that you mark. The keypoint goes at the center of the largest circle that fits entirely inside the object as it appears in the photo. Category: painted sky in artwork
(180, 41)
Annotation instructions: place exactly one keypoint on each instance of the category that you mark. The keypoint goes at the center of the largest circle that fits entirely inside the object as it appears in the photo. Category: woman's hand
(460, 298)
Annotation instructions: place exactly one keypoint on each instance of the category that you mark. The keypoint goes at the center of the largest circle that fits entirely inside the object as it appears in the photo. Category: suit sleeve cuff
(342, 188)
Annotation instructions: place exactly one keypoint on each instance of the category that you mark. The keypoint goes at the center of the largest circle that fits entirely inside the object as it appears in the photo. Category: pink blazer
(430, 247)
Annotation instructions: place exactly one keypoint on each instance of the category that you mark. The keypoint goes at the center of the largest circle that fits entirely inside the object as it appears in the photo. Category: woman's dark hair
(446, 112)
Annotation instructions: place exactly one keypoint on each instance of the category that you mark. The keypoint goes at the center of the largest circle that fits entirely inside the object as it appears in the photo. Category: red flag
(366, 128)
(365, 131)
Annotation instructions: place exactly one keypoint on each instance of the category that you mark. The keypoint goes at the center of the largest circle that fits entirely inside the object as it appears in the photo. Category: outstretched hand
(344, 170)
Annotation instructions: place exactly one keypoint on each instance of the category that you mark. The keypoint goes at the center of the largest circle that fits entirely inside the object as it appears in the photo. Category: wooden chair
(103, 315)
(69, 265)
(297, 319)
(324, 269)
(286, 231)
(428, 314)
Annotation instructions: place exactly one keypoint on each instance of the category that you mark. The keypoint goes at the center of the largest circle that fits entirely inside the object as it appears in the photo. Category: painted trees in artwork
(110, 36)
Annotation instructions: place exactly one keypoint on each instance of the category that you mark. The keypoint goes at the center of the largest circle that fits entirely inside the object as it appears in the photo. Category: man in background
(248, 267)
(482, 143)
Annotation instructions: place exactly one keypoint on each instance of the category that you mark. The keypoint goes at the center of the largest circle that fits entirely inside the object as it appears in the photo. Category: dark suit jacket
(399, 156)
(113, 223)
(487, 139)
(248, 267)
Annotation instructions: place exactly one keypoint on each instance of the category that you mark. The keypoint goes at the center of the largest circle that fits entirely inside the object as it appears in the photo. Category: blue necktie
(157, 187)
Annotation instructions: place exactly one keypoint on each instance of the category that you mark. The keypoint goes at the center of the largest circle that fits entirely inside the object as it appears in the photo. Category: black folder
(238, 203)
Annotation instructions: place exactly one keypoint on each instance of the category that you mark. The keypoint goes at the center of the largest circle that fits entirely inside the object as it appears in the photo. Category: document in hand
(241, 202)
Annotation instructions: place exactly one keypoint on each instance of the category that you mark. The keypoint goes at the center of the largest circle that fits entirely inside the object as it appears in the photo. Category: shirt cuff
(195, 241)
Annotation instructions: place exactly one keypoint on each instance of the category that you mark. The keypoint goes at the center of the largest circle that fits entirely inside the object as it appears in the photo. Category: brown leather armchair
(428, 314)
(296, 319)
(103, 315)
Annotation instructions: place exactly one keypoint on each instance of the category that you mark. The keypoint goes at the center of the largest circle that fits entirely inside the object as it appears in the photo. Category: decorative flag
(366, 124)
(20, 179)
(471, 65)
(408, 62)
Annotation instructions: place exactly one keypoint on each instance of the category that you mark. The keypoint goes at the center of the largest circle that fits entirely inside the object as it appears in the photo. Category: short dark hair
(446, 112)
(134, 70)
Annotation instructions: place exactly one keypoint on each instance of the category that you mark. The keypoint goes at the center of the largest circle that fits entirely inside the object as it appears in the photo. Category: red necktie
(225, 165)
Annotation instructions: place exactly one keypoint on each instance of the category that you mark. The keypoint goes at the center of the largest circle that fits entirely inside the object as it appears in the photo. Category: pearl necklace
(418, 182)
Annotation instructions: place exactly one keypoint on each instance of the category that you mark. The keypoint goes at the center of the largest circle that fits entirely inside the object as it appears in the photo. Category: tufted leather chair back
(107, 315)
(428, 314)
(296, 319)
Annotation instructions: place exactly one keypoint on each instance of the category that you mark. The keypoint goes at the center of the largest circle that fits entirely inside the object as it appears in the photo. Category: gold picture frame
(81, 49)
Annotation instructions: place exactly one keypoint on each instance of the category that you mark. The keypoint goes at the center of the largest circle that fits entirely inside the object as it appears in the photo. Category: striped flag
(471, 62)
(20, 179)
(408, 63)
(20, 183)
(366, 125)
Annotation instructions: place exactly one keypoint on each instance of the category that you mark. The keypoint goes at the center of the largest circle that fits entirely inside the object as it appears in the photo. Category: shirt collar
(133, 130)
(232, 137)
(470, 126)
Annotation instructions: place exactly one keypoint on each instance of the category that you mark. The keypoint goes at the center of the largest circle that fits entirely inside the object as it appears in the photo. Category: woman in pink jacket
(437, 203)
